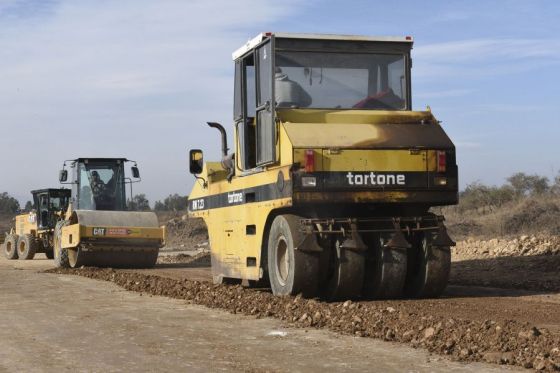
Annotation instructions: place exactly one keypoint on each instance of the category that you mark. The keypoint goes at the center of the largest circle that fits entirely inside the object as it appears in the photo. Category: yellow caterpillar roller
(96, 229)
(329, 189)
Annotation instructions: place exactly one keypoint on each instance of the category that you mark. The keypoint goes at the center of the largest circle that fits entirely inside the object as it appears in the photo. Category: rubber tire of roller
(385, 273)
(300, 269)
(347, 280)
(430, 278)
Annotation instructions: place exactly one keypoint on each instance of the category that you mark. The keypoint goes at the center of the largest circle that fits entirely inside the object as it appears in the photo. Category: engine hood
(364, 129)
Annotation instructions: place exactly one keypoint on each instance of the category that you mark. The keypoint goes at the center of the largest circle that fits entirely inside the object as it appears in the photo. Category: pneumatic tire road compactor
(329, 189)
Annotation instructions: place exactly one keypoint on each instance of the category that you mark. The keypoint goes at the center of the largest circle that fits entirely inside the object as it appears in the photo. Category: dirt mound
(525, 262)
(184, 233)
(536, 273)
(519, 246)
(503, 342)
(200, 260)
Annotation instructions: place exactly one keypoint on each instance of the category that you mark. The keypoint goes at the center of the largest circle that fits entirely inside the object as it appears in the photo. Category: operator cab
(48, 203)
(280, 72)
(99, 183)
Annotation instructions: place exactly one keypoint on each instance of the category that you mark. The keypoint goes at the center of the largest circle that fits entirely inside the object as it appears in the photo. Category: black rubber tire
(346, 277)
(26, 247)
(10, 247)
(60, 255)
(386, 271)
(291, 271)
(49, 253)
(428, 272)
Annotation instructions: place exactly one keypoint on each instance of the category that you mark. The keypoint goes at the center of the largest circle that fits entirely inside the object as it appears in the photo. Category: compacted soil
(469, 323)
(54, 322)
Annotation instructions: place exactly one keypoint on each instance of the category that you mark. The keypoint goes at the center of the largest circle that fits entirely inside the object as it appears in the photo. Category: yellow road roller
(96, 229)
(329, 188)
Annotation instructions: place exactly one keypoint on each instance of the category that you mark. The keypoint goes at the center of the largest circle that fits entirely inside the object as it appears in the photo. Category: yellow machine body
(97, 229)
(337, 180)
(237, 226)
(26, 224)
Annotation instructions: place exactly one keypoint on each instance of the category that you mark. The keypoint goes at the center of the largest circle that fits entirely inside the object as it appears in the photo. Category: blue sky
(139, 78)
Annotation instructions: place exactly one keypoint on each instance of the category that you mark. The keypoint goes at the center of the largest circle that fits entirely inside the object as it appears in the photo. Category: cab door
(266, 127)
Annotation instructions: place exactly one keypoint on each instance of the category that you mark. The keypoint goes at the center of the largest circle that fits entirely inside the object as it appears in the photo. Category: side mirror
(196, 161)
(135, 172)
(63, 176)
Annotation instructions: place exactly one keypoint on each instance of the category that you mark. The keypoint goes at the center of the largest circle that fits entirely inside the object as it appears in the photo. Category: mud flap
(442, 239)
(354, 242)
(397, 241)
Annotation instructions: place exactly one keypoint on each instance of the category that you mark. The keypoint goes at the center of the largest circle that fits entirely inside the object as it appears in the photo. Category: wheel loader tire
(428, 271)
(291, 271)
(386, 271)
(26, 247)
(49, 253)
(10, 247)
(346, 278)
(60, 254)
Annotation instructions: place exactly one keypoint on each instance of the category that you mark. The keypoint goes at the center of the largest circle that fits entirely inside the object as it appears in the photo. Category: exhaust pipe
(227, 160)
(222, 130)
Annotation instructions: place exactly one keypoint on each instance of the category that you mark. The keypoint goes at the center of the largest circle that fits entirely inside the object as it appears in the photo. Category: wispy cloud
(485, 57)
(443, 93)
(465, 145)
(133, 77)
(452, 16)
(511, 108)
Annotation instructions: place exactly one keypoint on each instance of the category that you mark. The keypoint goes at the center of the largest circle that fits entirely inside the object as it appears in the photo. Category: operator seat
(289, 93)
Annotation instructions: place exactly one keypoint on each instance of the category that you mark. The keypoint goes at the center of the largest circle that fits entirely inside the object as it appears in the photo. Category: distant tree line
(517, 186)
(173, 202)
(8, 204)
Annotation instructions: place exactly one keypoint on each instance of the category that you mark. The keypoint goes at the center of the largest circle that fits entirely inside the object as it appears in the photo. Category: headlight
(440, 181)
(309, 181)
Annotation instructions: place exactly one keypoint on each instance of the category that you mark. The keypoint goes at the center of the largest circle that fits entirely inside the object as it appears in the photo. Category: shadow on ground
(539, 273)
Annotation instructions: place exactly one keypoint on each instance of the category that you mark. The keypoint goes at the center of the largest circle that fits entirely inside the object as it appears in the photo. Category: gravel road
(56, 322)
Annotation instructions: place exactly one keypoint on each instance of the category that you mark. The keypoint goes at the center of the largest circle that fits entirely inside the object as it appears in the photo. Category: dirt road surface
(54, 322)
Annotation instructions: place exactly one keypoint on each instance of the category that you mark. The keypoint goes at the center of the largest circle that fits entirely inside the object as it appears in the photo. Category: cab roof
(287, 35)
(68, 191)
(100, 159)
